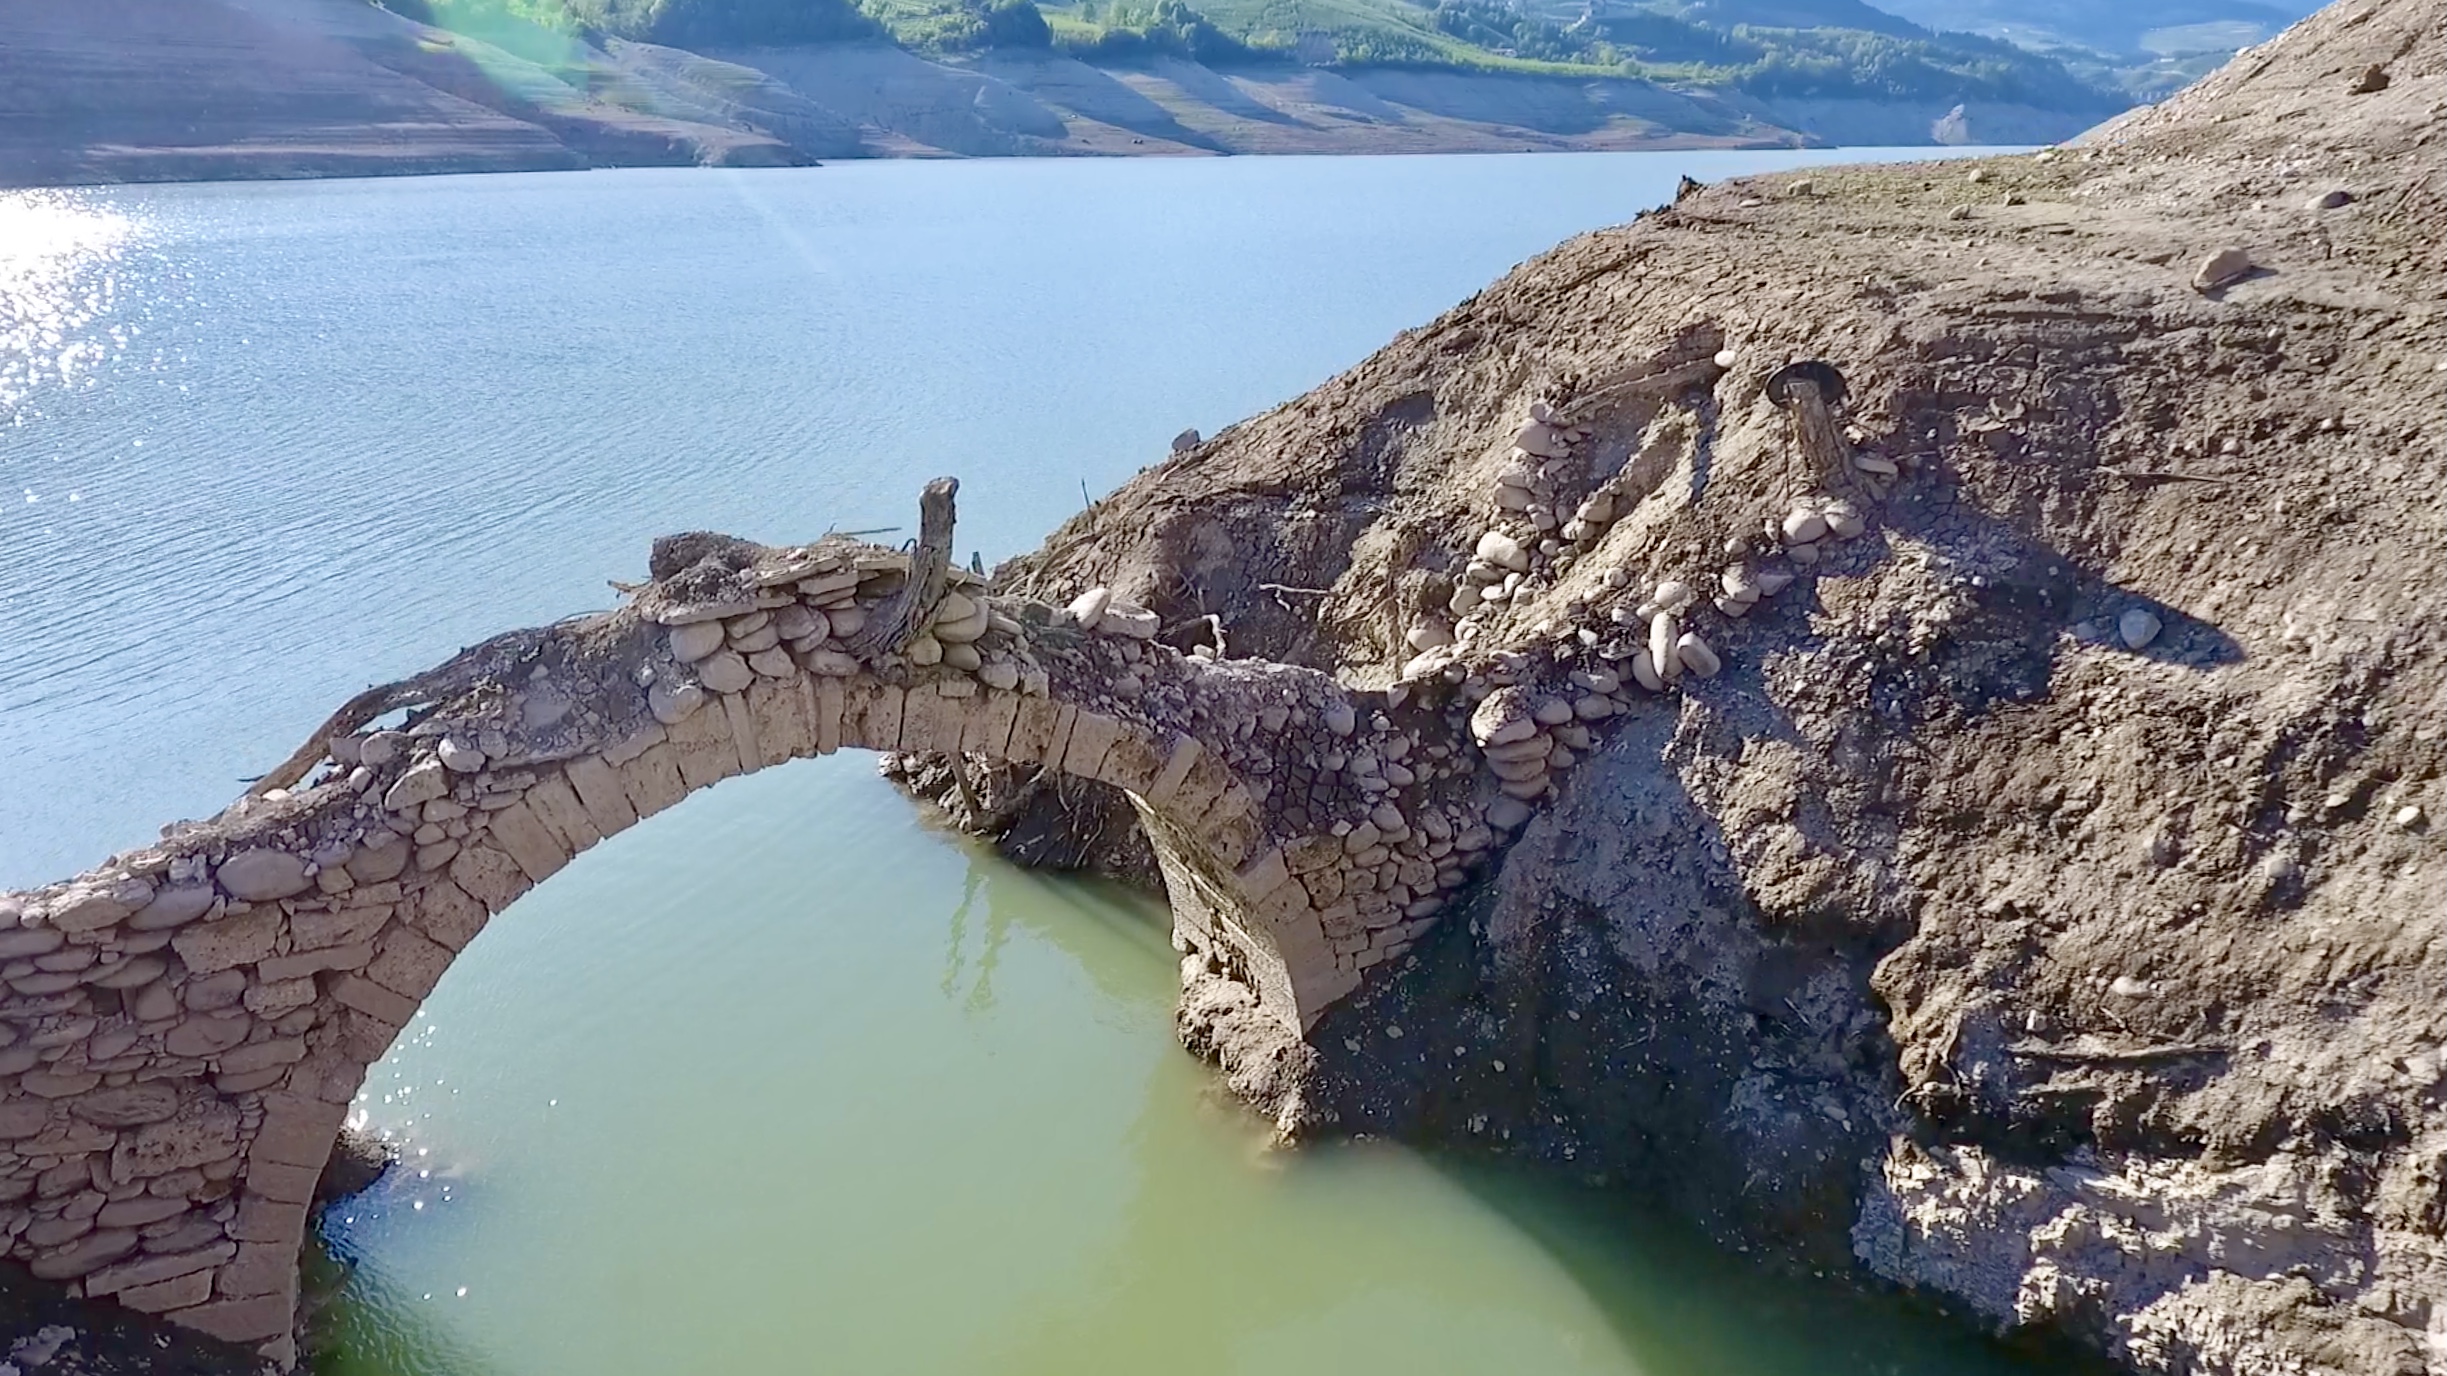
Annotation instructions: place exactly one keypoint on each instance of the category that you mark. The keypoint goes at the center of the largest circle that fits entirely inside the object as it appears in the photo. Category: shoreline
(478, 168)
(1834, 154)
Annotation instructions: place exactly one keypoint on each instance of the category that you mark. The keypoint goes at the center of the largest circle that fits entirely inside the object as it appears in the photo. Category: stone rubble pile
(1606, 645)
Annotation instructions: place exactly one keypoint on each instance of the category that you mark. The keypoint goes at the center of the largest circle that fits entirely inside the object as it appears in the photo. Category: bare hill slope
(2045, 904)
(150, 90)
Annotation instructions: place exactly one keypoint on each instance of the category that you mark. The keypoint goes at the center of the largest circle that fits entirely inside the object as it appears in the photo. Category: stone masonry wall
(185, 1025)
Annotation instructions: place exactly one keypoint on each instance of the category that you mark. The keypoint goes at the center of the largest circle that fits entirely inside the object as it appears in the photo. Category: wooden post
(897, 620)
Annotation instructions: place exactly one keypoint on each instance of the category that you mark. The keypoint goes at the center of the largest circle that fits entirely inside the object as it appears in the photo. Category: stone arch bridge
(185, 1025)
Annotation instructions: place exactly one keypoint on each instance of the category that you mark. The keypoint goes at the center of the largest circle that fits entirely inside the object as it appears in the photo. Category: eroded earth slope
(2031, 888)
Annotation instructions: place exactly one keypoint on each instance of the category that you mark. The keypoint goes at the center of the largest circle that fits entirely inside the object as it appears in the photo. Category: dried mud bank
(1968, 641)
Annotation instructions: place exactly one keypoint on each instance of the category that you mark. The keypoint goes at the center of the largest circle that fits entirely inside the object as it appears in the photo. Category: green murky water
(783, 1082)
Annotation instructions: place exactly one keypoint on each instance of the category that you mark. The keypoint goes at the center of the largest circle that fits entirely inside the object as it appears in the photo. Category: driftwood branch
(1814, 427)
(2094, 1055)
(897, 619)
(1628, 382)
(493, 659)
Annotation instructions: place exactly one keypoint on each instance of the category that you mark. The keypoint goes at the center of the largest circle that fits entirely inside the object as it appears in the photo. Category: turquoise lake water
(782, 1081)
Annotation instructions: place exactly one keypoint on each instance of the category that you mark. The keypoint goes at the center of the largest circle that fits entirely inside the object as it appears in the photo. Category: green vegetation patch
(1703, 44)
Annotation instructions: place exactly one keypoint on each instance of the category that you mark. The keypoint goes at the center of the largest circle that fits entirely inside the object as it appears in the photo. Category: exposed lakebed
(781, 1080)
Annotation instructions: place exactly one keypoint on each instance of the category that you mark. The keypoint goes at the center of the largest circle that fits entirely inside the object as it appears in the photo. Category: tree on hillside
(687, 23)
(1014, 24)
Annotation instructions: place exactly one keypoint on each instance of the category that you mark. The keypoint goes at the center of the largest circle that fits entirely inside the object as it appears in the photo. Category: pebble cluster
(1632, 639)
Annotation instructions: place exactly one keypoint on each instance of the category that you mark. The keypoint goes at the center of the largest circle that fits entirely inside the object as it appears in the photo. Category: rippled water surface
(780, 1081)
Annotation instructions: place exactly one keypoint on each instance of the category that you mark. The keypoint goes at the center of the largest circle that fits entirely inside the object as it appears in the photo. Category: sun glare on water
(60, 262)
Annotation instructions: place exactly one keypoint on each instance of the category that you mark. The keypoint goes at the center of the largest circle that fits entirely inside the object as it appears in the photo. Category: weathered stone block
(449, 916)
(230, 942)
(256, 1268)
(922, 712)
(641, 738)
(204, 1132)
(90, 909)
(23, 1118)
(358, 992)
(555, 804)
(240, 1321)
(207, 1034)
(175, 906)
(380, 863)
(1262, 876)
(248, 1081)
(297, 1131)
(269, 1220)
(652, 780)
(280, 1180)
(338, 927)
(86, 1255)
(1230, 837)
(154, 1003)
(1286, 906)
(286, 969)
(489, 877)
(1092, 735)
(741, 721)
(1166, 786)
(409, 963)
(129, 974)
(69, 1138)
(528, 841)
(1032, 730)
(255, 1056)
(22, 942)
(215, 991)
(192, 1288)
(871, 715)
(782, 712)
(991, 720)
(365, 1037)
(144, 1209)
(703, 749)
(128, 1106)
(1310, 854)
(57, 1231)
(1133, 761)
(599, 790)
(421, 784)
(1209, 778)
(828, 707)
(47, 1084)
(335, 1076)
(262, 875)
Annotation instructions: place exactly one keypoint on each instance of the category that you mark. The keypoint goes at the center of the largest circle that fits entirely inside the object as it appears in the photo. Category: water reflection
(955, 948)
(61, 255)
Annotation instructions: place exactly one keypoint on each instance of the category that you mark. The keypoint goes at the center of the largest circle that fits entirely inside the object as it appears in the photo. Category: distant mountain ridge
(2108, 25)
(2149, 49)
(106, 90)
